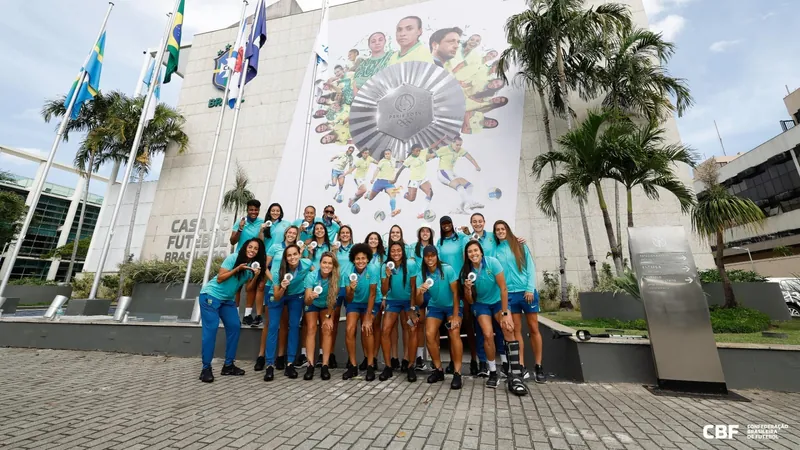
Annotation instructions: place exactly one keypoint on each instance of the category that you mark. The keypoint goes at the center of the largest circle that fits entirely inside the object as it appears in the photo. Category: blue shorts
(314, 308)
(361, 308)
(381, 185)
(437, 312)
(426, 298)
(397, 306)
(486, 309)
(336, 173)
(269, 294)
(518, 305)
(340, 298)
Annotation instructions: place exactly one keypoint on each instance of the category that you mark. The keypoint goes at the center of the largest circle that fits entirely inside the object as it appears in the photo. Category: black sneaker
(386, 374)
(436, 375)
(280, 362)
(395, 363)
(269, 374)
(538, 374)
(332, 362)
(247, 320)
(420, 364)
(319, 361)
(290, 371)
(473, 368)
(456, 383)
(450, 368)
(370, 373)
(257, 321)
(260, 363)
(309, 373)
(351, 372)
(301, 361)
(483, 369)
(207, 375)
(504, 369)
(231, 370)
(324, 373)
(411, 374)
(363, 365)
(404, 366)
(493, 381)
(525, 373)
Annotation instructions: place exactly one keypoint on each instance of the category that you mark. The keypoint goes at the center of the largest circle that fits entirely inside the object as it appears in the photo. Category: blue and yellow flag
(91, 82)
(174, 44)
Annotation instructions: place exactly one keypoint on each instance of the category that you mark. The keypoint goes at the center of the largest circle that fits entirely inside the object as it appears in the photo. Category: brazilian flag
(174, 44)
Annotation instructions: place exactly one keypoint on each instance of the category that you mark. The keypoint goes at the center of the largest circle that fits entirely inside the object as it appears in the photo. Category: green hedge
(736, 276)
(733, 320)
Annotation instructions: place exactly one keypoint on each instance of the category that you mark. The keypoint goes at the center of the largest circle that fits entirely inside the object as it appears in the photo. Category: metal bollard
(195, 312)
(122, 307)
(57, 303)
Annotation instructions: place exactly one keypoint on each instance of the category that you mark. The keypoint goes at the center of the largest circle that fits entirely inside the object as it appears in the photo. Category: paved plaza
(69, 399)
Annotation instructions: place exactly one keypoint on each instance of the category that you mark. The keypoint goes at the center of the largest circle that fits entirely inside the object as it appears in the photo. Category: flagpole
(145, 64)
(37, 191)
(132, 156)
(208, 176)
(306, 139)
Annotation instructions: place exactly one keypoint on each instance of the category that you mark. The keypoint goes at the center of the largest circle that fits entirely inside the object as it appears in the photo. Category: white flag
(321, 46)
(151, 108)
(235, 64)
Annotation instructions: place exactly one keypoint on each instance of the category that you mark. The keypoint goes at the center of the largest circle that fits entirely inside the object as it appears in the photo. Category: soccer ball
(495, 193)
(339, 198)
(429, 215)
(380, 216)
(355, 209)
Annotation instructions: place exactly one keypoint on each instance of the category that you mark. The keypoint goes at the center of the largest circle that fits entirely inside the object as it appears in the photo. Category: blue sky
(737, 55)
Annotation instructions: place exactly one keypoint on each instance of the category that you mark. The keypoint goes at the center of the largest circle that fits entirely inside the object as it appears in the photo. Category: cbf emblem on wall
(220, 76)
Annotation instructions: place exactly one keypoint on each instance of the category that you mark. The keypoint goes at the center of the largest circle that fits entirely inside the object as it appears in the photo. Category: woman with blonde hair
(322, 289)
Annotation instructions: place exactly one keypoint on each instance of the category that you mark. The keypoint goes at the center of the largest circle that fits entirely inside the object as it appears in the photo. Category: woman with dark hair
(425, 237)
(375, 243)
(361, 305)
(440, 281)
(396, 235)
(322, 288)
(289, 290)
(318, 244)
(485, 288)
(398, 285)
(523, 298)
(274, 257)
(274, 226)
(451, 251)
(217, 302)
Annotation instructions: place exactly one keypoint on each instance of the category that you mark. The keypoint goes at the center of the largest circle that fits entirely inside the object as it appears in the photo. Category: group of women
(476, 283)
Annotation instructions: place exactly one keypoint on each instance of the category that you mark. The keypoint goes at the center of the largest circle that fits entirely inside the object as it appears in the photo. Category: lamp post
(752, 266)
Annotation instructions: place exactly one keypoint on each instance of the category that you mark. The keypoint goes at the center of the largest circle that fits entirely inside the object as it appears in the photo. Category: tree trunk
(236, 225)
(618, 212)
(727, 289)
(129, 239)
(629, 193)
(562, 78)
(612, 242)
(77, 239)
(562, 260)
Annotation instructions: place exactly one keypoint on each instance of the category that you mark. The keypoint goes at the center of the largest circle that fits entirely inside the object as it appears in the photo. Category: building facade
(270, 135)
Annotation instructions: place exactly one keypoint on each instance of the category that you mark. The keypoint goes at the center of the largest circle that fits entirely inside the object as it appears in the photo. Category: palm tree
(550, 32)
(91, 155)
(718, 210)
(632, 73)
(642, 159)
(237, 197)
(584, 160)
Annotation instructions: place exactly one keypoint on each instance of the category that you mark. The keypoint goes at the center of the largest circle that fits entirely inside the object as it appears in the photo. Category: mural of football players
(378, 59)
(444, 45)
(408, 32)
(383, 181)
(417, 163)
(360, 166)
(448, 157)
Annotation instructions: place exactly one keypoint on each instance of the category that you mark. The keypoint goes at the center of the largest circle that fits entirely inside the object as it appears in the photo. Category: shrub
(550, 292)
(736, 276)
(82, 285)
(155, 271)
(32, 282)
(738, 320)
(638, 324)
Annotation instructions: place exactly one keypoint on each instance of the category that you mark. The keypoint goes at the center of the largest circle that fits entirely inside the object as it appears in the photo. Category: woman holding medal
(361, 304)
(289, 291)
(217, 301)
(318, 245)
(440, 281)
(425, 238)
(398, 285)
(376, 246)
(451, 252)
(341, 247)
(396, 235)
(322, 288)
(485, 289)
(274, 257)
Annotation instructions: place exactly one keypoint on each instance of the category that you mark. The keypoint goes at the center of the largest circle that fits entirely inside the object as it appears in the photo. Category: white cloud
(669, 26)
(656, 7)
(721, 46)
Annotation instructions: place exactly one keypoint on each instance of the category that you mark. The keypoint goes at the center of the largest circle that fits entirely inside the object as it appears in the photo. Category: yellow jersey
(417, 166)
(386, 169)
(362, 165)
(448, 156)
(416, 53)
(342, 161)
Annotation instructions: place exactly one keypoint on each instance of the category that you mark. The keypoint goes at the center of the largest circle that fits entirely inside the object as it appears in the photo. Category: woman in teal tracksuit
(398, 285)
(289, 291)
(441, 282)
(485, 288)
(451, 251)
(217, 302)
(425, 237)
(361, 304)
(322, 288)
(341, 247)
(396, 235)
(314, 248)
(523, 298)
(376, 246)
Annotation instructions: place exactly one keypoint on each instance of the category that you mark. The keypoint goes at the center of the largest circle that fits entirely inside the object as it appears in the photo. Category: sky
(738, 57)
